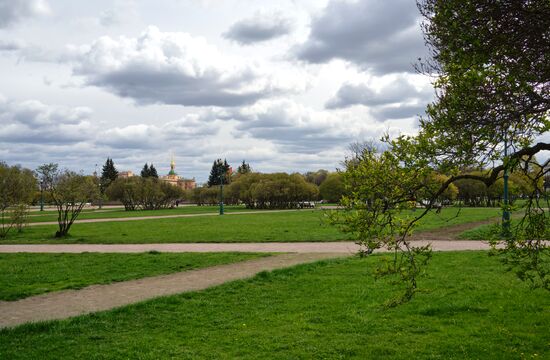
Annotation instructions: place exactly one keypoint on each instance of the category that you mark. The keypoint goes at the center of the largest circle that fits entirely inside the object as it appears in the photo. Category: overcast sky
(284, 85)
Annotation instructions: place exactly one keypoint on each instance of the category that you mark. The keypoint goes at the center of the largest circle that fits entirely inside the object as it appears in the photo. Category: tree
(149, 171)
(70, 192)
(153, 172)
(146, 193)
(145, 171)
(109, 174)
(332, 188)
(244, 168)
(17, 186)
(45, 175)
(492, 80)
(219, 172)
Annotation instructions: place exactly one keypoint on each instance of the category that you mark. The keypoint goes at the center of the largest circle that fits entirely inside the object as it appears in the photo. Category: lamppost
(506, 212)
(221, 193)
(42, 195)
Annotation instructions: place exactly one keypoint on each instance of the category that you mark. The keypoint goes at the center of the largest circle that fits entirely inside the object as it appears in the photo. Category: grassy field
(23, 275)
(121, 213)
(303, 225)
(469, 309)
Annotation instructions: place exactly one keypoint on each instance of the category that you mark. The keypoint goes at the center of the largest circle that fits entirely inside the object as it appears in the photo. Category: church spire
(172, 166)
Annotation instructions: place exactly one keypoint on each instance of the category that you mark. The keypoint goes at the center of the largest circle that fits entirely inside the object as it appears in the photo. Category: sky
(285, 85)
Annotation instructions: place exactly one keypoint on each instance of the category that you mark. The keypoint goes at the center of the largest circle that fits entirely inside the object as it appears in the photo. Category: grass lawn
(121, 213)
(470, 309)
(303, 225)
(23, 275)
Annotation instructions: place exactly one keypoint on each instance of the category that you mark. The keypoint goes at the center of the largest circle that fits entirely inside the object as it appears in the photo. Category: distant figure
(177, 203)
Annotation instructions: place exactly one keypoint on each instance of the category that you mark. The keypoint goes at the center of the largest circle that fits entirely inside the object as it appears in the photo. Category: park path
(341, 247)
(68, 303)
(135, 218)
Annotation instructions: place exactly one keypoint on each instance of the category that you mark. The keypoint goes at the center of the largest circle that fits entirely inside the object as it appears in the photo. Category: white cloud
(176, 68)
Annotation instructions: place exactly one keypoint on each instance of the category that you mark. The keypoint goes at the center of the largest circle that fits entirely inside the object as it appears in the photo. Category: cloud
(149, 136)
(395, 100)
(259, 28)
(175, 68)
(122, 11)
(379, 36)
(11, 45)
(297, 128)
(33, 122)
(13, 11)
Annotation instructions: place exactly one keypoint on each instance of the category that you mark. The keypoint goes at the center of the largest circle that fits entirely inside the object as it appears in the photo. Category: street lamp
(42, 195)
(221, 193)
(506, 212)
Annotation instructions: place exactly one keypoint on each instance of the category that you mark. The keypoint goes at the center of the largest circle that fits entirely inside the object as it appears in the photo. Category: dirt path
(450, 232)
(83, 221)
(63, 304)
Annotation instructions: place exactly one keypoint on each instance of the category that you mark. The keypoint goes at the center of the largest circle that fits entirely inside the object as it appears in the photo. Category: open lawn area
(302, 225)
(23, 275)
(469, 307)
(121, 213)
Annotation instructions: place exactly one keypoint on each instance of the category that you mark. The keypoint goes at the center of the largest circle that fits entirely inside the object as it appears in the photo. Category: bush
(144, 193)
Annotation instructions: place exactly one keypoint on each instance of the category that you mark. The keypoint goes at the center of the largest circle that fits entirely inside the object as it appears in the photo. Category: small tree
(70, 192)
(17, 186)
(109, 174)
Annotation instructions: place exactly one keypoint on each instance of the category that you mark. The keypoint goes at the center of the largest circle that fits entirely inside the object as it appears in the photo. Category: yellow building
(174, 179)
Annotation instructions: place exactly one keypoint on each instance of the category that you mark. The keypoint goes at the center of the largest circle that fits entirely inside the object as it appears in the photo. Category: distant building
(174, 179)
(125, 174)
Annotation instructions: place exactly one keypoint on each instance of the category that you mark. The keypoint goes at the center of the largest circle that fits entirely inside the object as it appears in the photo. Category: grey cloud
(34, 122)
(13, 11)
(173, 68)
(381, 36)
(292, 127)
(399, 99)
(261, 27)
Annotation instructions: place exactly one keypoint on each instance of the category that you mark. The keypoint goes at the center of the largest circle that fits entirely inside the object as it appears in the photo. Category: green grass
(482, 232)
(470, 309)
(121, 213)
(303, 225)
(23, 275)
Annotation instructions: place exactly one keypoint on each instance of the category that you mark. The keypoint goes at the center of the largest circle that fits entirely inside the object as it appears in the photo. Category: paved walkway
(342, 247)
(63, 304)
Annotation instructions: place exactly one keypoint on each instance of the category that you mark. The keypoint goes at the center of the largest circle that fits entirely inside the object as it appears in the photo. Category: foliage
(109, 174)
(219, 173)
(332, 188)
(70, 192)
(147, 193)
(17, 187)
(271, 191)
(149, 171)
